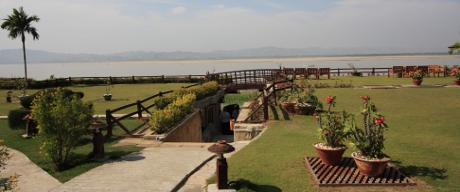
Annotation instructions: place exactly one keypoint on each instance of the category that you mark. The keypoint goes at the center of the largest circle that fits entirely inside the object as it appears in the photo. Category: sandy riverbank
(281, 60)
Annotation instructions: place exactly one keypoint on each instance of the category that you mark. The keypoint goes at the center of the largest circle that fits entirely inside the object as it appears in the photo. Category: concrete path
(30, 176)
(166, 167)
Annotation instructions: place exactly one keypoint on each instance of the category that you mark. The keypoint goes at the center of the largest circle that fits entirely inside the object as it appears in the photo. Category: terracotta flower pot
(304, 110)
(457, 82)
(329, 156)
(288, 107)
(417, 82)
(370, 168)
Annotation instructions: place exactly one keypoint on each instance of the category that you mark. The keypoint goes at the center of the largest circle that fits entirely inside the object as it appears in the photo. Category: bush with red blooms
(331, 126)
(369, 137)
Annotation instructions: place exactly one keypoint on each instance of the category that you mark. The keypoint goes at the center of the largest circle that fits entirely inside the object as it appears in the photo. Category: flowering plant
(417, 75)
(331, 126)
(368, 138)
(456, 72)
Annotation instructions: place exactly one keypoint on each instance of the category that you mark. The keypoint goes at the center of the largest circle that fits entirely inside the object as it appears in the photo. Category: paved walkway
(160, 167)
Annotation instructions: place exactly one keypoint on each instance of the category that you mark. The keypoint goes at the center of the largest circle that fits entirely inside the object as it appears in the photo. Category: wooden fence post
(139, 110)
(338, 71)
(373, 71)
(70, 80)
(162, 79)
(265, 107)
(108, 119)
(190, 78)
(134, 80)
(110, 79)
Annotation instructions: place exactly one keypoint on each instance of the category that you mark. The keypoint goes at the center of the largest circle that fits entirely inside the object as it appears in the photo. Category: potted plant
(287, 100)
(368, 139)
(107, 96)
(333, 133)
(306, 101)
(417, 77)
(456, 74)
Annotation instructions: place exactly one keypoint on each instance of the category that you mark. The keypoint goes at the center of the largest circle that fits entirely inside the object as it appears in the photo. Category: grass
(122, 94)
(422, 140)
(83, 153)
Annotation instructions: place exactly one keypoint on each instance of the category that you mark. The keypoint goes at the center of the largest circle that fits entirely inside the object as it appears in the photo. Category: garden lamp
(220, 148)
(98, 139)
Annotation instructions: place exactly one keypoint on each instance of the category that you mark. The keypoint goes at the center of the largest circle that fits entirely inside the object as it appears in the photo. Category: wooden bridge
(232, 81)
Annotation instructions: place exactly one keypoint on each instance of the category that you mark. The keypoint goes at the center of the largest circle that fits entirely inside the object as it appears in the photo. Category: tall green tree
(18, 24)
(454, 47)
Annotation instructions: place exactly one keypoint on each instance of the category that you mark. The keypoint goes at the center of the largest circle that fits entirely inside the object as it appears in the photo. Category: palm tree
(18, 24)
(454, 47)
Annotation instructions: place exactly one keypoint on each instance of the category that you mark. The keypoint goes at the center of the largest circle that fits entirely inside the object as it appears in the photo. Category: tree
(18, 24)
(62, 121)
(454, 47)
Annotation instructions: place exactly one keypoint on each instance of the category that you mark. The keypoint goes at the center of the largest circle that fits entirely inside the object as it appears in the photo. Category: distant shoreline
(280, 60)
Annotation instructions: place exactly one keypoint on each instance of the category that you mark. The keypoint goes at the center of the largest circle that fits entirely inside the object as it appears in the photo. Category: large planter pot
(288, 107)
(304, 110)
(370, 168)
(457, 82)
(107, 97)
(417, 82)
(329, 156)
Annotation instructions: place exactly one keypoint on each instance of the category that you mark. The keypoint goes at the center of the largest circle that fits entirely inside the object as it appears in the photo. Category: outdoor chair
(408, 69)
(424, 69)
(324, 71)
(398, 70)
(436, 69)
(289, 72)
(311, 71)
(300, 72)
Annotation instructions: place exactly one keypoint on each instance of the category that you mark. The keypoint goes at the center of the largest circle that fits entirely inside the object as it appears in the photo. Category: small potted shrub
(306, 101)
(417, 77)
(333, 133)
(107, 96)
(456, 74)
(368, 139)
(287, 100)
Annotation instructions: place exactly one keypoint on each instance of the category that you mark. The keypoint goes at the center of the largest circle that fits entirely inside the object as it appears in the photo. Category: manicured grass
(423, 140)
(83, 154)
(122, 94)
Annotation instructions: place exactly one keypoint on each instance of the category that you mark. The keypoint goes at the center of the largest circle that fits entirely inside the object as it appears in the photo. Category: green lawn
(423, 140)
(122, 94)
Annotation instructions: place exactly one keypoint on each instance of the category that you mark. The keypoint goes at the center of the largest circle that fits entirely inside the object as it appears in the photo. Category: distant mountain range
(13, 56)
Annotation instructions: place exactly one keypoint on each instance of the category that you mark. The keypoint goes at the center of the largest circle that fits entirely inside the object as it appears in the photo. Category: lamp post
(220, 148)
(98, 139)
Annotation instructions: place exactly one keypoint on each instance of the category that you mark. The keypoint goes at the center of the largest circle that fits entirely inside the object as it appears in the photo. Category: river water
(155, 68)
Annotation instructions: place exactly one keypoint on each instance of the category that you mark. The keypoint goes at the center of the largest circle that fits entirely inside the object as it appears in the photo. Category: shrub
(163, 119)
(15, 118)
(62, 120)
(26, 102)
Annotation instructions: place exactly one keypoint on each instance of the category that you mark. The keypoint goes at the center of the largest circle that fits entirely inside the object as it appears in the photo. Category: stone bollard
(8, 96)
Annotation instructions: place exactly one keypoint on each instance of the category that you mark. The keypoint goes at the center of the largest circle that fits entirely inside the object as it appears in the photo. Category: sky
(115, 26)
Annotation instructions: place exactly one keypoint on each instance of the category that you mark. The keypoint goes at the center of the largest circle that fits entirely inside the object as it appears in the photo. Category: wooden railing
(141, 107)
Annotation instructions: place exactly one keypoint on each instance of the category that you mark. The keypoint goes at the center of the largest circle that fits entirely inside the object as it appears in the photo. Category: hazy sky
(113, 26)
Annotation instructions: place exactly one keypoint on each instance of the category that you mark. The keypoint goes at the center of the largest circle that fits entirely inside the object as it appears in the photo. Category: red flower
(366, 97)
(329, 99)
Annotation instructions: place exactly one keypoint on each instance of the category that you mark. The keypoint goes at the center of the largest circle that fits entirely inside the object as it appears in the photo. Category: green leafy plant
(369, 137)
(331, 126)
(10, 183)
(108, 86)
(163, 119)
(455, 72)
(62, 121)
(417, 75)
